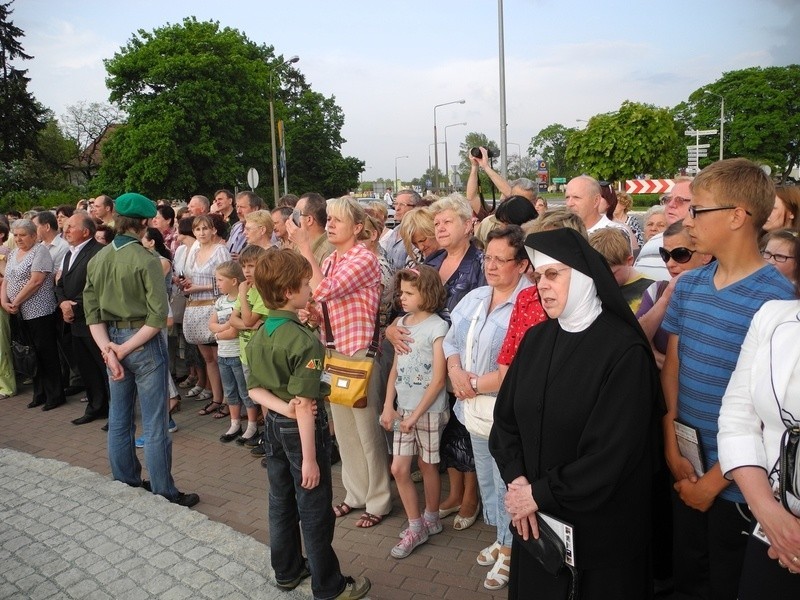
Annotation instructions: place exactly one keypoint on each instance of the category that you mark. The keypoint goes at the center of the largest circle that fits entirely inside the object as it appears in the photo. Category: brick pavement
(233, 492)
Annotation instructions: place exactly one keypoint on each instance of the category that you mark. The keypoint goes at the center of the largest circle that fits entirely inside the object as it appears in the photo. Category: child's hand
(407, 425)
(244, 287)
(388, 417)
(310, 473)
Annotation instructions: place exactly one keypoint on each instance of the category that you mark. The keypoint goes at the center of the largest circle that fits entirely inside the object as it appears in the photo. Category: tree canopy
(638, 138)
(762, 115)
(197, 98)
(551, 144)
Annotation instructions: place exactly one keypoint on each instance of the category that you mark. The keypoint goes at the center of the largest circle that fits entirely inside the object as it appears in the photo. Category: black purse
(23, 352)
(550, 552)
(789, 475)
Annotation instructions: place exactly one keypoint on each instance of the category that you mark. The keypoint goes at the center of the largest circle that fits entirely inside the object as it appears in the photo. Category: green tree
(21, 116)
(551, 144)
(762, 116)
(197, 99)
(477, 140)
(638, 138)
(87, 126)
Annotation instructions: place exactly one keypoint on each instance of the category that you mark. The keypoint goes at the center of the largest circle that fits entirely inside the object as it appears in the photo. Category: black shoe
(35, 403)
(258, 451)
(187, 500)
(84, 419)
(73, 389)
(252, 442)
(146, 485)
(104, 427)
(47, 407)
(242, 441)
(264, 462)
(229, 437)
(335, 456)
(288, 586)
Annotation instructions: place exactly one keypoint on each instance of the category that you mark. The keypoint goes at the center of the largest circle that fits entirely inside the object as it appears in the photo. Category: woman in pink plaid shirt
(349, 283)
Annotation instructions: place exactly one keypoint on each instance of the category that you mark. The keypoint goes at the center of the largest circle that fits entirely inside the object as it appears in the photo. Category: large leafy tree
(762, 115)
(197, 99)
(551, 144)
(638, 138)
(475, 139)
(88, 126)
(21, 116)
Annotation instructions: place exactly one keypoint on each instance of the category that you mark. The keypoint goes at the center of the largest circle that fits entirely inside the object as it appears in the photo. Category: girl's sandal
(222, 412)
(209, 408)
(497, 577)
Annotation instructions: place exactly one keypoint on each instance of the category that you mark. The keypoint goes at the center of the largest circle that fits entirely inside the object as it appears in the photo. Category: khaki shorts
(424, 440)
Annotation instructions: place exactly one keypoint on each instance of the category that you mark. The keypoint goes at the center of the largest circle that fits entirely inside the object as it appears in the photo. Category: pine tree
(21, 116)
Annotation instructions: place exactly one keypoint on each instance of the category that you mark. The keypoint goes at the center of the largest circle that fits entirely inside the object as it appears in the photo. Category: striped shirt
(711, 325)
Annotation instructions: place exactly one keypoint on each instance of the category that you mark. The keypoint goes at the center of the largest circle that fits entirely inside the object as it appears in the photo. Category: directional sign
(648, 186)
(252, 178)
(698, 146)
(700, 132)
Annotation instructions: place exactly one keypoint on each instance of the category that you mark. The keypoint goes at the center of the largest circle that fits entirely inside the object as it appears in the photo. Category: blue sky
(389, 63)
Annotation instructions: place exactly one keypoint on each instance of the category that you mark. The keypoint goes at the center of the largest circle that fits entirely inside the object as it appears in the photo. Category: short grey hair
(416, 198)
(455, 202)
(653, 210)
(24, 224)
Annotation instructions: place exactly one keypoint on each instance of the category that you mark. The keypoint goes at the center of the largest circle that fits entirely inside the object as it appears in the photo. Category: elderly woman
(460, 266)
(28, 290)
(763, 400)
(573, 439)
(655, 221)
(624, 205)
(349, 283)
(479, 324)
(258, 228)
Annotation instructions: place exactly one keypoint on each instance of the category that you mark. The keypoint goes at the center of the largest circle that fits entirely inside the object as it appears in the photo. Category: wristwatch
(474, 383)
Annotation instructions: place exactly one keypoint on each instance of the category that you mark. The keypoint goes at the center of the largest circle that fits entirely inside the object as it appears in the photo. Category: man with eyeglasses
(676, 207)
(404, 201)
(306, 228)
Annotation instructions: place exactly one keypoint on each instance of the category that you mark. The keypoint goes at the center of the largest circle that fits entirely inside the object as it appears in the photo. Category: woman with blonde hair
(258, 228)
(418, 234)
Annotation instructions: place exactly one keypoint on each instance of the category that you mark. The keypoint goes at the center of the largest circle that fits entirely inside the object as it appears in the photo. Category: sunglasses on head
(680, 255)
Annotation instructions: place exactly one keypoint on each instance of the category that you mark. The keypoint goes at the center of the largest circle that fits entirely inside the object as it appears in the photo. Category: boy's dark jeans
(292, 507)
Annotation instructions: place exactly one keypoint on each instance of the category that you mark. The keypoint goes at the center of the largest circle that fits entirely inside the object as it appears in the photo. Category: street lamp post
(396, 158)
(721, 119)
(446, 162)
(430, 147)
(275, 184)
(436, 144)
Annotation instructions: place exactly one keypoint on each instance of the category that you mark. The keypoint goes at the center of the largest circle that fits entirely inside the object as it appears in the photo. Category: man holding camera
(479, 159)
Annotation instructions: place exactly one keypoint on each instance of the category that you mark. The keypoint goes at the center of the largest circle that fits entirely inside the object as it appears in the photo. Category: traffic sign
(700, 132)
(252, 178)
(698, 146)
(559, 180)
(648, 186)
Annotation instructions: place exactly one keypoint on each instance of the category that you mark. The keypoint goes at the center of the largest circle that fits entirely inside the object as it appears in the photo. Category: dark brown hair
(427, 281)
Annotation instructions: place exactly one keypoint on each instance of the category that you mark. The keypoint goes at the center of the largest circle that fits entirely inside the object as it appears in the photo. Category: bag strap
(471, 337)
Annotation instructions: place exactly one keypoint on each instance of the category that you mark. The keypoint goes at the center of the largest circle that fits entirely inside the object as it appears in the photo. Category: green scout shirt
(286, 358)
(256, 306)
(125, 282)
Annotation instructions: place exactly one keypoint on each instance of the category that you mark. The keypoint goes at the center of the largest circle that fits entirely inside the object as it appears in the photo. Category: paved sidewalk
(68, 532)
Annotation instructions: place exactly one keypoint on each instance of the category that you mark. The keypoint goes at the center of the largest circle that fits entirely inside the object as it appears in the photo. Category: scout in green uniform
(125, 303)
(285, 360)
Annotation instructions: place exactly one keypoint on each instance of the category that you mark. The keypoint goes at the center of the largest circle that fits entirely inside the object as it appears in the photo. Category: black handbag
(789, 475)
(550, 552)
(23, 352)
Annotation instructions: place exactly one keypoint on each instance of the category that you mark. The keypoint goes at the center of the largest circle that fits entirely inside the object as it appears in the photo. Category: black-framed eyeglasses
(550, 274)
(778, 258)
(694, 210)
(680, 255)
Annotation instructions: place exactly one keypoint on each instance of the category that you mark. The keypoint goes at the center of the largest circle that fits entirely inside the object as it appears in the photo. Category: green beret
(135, 205)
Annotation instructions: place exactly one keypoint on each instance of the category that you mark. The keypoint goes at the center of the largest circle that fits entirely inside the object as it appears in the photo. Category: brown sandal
(209, 408)
(342, 509)
(222, 411)
(367, 520)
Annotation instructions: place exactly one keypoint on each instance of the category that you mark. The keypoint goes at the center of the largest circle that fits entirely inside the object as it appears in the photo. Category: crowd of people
(549, 361)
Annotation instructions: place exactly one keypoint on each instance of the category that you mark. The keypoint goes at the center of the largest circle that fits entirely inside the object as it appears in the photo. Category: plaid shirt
(351, 289)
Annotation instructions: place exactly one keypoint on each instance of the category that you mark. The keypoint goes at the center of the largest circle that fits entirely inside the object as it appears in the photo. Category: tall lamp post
(430, 147)
(446, 162)
(721, 119)
(436, 144)
(275, 189)
(396, 158)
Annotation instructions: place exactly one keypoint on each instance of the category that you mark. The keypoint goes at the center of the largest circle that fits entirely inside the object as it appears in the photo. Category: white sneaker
(410, 540)
(433, 528)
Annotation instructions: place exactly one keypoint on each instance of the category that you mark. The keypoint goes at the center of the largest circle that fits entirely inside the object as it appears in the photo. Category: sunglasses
(680, 255)
(550, 274)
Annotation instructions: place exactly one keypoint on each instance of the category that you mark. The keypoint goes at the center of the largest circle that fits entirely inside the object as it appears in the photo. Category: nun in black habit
(574, 425)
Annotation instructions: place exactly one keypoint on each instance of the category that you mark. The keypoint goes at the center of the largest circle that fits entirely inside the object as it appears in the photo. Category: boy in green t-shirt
(286, 360)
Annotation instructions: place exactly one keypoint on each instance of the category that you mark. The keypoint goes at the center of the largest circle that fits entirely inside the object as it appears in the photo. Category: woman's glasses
(680, 255)
(778, 258)
(550, 274)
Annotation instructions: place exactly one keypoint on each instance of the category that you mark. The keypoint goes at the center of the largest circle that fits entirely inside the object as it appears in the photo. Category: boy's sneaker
(173, 426)
(139, 442)
(410, 540)
(288, 586)
(433, 528)
(355, 588)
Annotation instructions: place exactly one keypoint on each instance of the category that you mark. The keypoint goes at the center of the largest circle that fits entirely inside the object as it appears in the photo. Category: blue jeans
(293, 508)
(234, 385)
(493, 490)
(146, 370)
